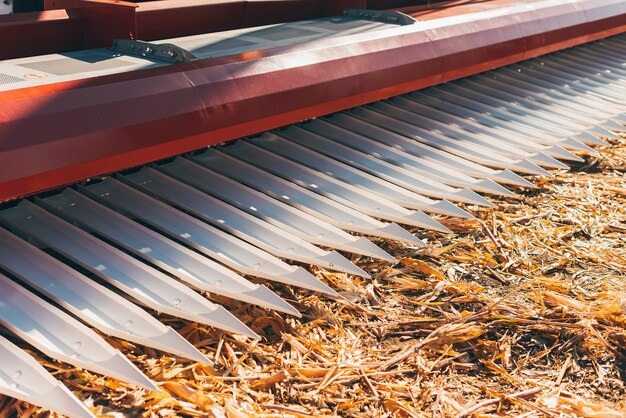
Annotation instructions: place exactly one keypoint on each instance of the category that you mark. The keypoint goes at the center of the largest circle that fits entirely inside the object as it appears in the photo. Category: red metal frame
(62, 133)
(105, 20)
(41, 32)
(174, 18)
(69, 25)
(452, 7)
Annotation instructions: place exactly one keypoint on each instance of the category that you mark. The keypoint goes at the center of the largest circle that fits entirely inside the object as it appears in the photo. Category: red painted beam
(105, 20)
(38, 33)
(61, 133)
(67, 25)
(175, 18)
(394, 4)
(436, 10)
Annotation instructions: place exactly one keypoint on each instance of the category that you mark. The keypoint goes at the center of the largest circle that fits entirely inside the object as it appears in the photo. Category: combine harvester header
(412, 108)
(102, 110)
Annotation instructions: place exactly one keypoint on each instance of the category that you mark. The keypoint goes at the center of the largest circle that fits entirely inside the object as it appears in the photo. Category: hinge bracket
(392, 17)
(163, 52)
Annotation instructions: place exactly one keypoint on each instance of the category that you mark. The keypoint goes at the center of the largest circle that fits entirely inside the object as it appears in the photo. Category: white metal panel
(215, 243)
(192, 268)
(506, 142)
(89, 301)
(506, 111)
(566, 85)
(558, 90)
(290, 193)
(23, 378)
(552, 97)
(146, 284)
(357, 198)
(451, 140)
(436, 139)
(413, 155)
(609, 89)
(366, 161)
(237, 222)
(271, 210)
(466, 107)
(539, 105)
(61, 337)
(518, 102)
(6, 7)
(354, 176)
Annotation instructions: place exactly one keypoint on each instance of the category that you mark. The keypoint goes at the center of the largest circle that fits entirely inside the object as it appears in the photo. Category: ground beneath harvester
(522, 313)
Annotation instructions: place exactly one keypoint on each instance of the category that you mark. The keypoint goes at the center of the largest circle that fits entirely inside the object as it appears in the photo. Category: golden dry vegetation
(521, 313)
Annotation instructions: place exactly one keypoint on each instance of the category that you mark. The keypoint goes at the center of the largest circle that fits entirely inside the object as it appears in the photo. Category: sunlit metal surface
(62, 337)
(190, 267)
(199, 222)
(22, 377)
(237, 222)
(288, 218)
(212, 241)
(144, 283)
(89, 301)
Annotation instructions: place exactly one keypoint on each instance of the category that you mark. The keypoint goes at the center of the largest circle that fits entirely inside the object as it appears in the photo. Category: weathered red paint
(67, 25)
(437, 10)
(40, 33)
(105, 20)
(61, 133)
(83, 24)
(174, 18)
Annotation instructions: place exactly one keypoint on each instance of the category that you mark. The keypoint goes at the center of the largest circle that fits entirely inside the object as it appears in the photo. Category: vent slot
(9, 79)
(67, 66)
(281, 33)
